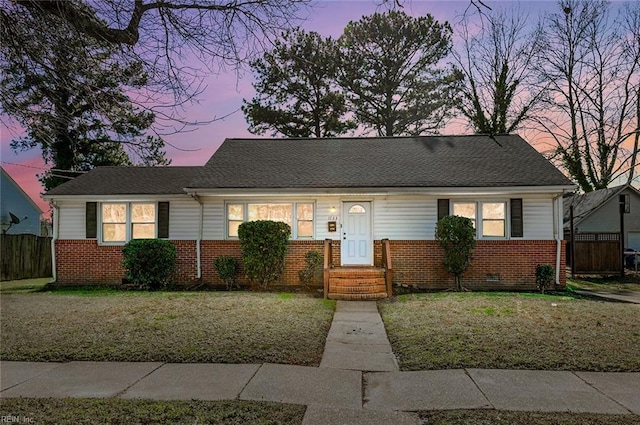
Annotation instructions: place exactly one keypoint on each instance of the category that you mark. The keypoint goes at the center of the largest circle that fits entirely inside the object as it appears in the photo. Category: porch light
(333, 210)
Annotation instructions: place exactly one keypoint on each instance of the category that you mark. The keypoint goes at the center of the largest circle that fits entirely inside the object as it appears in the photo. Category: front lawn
(116, 411)
(499, 417)
(512, 331)
(178, 327)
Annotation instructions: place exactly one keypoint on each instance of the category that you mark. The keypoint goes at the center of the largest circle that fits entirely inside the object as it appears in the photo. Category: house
(355, 192)
(596, 229)
(599, 212)
(18, 212)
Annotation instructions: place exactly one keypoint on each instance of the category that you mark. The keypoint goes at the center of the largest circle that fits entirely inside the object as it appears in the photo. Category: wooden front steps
(357, 283)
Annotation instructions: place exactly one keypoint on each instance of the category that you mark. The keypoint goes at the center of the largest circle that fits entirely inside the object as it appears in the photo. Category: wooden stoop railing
(357, 282)
(388, 266)
(328, 265)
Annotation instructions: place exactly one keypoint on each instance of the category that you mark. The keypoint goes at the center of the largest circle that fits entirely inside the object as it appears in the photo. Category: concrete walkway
(621, 296)
(343, 390)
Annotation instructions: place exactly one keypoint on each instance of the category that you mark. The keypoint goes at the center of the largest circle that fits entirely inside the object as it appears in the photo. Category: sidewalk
(358, 381)
(622, 296)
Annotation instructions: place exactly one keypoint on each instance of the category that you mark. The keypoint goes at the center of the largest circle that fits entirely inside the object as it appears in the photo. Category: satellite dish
(14, 219)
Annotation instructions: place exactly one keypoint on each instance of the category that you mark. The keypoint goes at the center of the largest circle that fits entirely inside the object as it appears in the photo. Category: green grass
(512, 331)
(496, 417)
(23, 286)
(117, 411)
(607, 283)
(180, 327)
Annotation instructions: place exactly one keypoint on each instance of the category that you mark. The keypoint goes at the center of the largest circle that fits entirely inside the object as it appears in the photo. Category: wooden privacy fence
(24, 257)
(595, 253)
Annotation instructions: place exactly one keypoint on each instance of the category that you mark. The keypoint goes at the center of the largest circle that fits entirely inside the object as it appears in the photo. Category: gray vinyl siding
(214, 226)
(184, 216)
(393, 217)
(404, 218)
(71, 220)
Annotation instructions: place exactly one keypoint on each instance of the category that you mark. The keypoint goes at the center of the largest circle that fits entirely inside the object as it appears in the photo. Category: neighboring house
(354, 191)
(14, 200)
(599, 212)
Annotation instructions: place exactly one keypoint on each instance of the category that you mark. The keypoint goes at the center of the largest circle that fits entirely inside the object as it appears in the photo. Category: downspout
(558, 231)
(56, 230)
(200, 231)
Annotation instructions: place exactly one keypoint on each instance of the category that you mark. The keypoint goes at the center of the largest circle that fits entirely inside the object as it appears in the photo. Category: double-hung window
(489, 218)
(298, 215)
(124, 221)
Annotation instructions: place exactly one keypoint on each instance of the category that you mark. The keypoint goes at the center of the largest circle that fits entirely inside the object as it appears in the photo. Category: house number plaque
(332, 226)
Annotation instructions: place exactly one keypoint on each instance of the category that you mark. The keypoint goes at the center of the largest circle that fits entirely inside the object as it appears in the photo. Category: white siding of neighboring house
(607, 217)
(71, 220)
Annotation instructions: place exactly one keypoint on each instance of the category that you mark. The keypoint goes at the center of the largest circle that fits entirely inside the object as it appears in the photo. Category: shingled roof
(380, 162)
(429, 161)
(587, 203)
(129, 181)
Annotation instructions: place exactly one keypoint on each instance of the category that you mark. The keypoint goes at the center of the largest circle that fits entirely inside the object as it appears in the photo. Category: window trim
(294, 216)
(128, 220)
(479, 217)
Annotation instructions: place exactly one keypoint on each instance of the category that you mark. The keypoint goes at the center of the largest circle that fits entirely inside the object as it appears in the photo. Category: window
(299, 216)
(235, 217)
(114, 222)
(465, 209)
(491, 216)
(493, 219)
(124, 221)
(357, 209)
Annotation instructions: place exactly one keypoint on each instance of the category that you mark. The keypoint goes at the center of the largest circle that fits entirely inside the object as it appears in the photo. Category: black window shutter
(163, 220)
(91, 220)
(443, 208)
(517, 229)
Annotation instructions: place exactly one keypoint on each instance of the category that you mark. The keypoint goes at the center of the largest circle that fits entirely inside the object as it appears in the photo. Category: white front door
(356, 246)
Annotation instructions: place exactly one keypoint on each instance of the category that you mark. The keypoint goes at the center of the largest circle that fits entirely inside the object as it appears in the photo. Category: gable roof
(8, 179)
(379, 162)
(586, 204)
(425, 161)
(128, 181)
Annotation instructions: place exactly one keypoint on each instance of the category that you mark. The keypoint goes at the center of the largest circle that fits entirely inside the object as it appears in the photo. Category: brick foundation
(495, 265)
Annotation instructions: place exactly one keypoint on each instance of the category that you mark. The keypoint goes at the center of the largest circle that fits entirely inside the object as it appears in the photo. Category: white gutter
(56, 230)
(200, 232)
(380, 191)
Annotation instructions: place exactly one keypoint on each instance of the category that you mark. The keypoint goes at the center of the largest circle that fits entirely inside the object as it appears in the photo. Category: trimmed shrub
(544, 276)
(227, 268)
(457, 238)
(312, 273)
(264, 248)
(149, 263)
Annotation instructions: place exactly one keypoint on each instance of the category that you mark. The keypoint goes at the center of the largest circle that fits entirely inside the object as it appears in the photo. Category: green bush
(149, 263)
(227, 268)
(264, 248)
(312, 273)
(544, 276)
(457, 238)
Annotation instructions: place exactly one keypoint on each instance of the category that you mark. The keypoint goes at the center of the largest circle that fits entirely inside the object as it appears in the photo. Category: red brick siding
(414, 262)
(84, 262)
(514, 261)
(293, 263)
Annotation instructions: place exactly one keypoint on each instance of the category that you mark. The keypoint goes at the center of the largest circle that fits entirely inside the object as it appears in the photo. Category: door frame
(345, 212)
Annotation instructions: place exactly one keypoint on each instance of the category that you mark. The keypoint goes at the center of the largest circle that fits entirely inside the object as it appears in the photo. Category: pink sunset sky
(224, 92)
